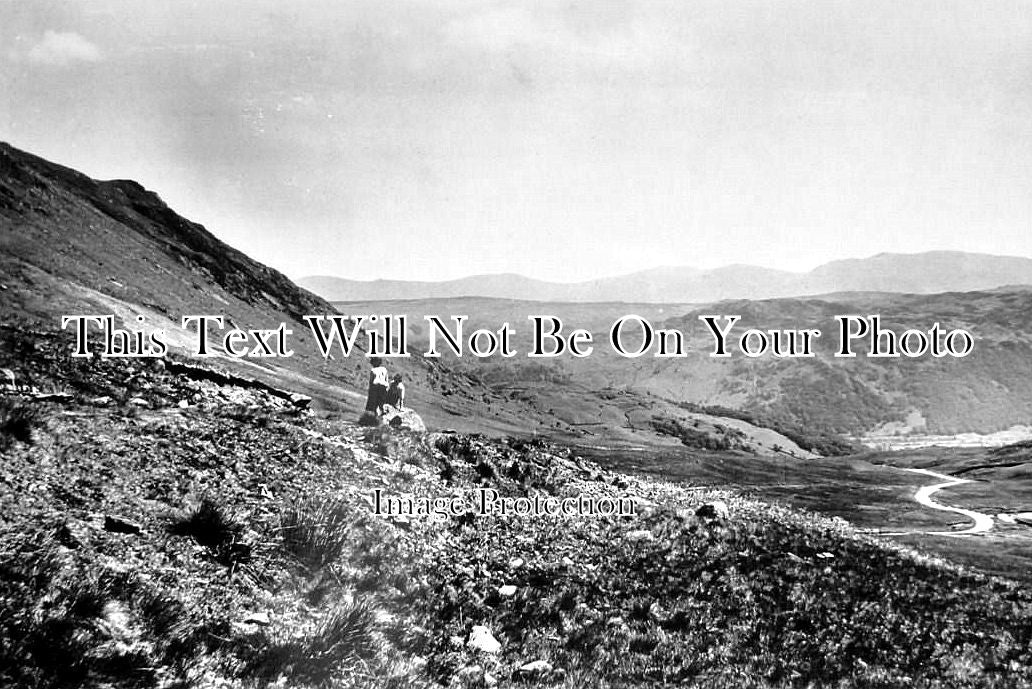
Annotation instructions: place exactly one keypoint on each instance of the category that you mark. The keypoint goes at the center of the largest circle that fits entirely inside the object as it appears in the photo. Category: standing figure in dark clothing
(377, 395)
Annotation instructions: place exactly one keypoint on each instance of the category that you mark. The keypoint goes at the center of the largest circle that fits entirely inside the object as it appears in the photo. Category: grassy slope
(258, 561)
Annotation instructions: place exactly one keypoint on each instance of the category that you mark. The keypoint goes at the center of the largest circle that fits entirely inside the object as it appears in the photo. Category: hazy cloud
(62, 48)
(399, 138)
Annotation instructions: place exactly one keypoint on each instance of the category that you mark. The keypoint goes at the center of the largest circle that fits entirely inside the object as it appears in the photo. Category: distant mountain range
(924, 273)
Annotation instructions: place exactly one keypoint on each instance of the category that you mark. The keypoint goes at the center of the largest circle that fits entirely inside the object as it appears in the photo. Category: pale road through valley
(981, 522)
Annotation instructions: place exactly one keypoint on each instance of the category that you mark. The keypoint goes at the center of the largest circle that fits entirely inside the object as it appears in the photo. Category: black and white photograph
(470, 344)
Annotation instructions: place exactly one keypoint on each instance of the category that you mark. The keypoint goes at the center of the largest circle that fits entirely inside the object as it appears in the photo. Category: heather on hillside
(231, 541)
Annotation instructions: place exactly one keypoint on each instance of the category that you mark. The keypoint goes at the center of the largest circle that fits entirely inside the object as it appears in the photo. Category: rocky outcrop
(401, 419)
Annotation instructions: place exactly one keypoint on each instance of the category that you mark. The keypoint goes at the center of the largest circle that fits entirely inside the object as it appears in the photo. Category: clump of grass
(340, 645)
(67, 621)
(216, 529)
(16, 422)
(316, 531)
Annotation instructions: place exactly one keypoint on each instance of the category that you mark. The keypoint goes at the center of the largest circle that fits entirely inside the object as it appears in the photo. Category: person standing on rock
(396, 393)
(377, 395)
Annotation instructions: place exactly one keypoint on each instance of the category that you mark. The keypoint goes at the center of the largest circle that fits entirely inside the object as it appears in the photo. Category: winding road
(982, 522)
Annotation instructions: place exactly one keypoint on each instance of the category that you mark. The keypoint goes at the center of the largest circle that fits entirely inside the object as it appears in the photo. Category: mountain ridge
(920, 273)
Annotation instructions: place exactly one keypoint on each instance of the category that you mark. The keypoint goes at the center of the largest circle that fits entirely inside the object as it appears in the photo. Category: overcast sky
(560, 140)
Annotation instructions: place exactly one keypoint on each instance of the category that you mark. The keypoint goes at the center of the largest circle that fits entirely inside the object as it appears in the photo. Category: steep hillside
(988, 390)
(73, 245)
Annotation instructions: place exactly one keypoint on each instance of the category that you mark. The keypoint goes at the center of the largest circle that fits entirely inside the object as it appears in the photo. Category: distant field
(869, 491)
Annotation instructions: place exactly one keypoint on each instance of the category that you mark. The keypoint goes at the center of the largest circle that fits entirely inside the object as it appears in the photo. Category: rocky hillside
(217, 536)
(73, 245)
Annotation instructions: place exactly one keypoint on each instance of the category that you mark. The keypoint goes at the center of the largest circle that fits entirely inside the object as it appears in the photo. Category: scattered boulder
(300, 401)
(403, 418)
(116, 524)
(507, 591)
(639, 535)
(713, 510)
(71, 535)
(535, 668)
(481, 639)
(258, 618)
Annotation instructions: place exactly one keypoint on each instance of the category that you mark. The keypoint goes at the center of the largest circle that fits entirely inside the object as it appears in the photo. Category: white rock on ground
(536, 667)
(481, 639)
(639, 535)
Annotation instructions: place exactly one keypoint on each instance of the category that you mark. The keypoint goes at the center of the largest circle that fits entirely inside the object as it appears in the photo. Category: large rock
(535, 668)
(716, 510)
(402, 418)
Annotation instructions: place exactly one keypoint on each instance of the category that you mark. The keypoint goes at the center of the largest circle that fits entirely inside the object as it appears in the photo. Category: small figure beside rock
(396, 392)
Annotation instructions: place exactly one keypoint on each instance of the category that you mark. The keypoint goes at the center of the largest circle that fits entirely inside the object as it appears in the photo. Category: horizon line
(508, 274)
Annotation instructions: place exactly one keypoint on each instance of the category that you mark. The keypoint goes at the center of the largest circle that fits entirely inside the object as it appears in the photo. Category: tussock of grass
(17, 420)
(337, 647)
(213, 527)
(66, 623)
(316, 531)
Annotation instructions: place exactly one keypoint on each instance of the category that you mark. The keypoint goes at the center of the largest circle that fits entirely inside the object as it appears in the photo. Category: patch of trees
(723, 438)
(822, 442)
